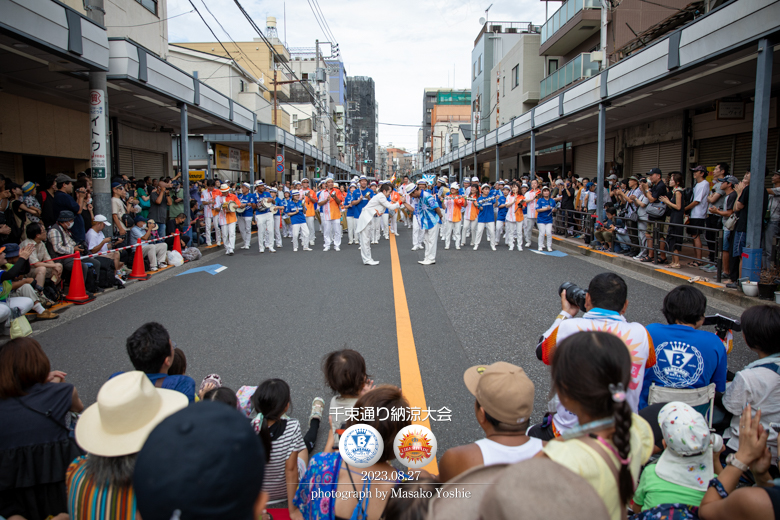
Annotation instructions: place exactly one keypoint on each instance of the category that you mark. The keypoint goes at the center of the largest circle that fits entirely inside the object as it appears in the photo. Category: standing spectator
(739, 237)
(160, 200)
(177, 202)
(674, 235)
(699, 207)
(654, 194)
(686, 357)
(773, 227)
(726, 198)
(155, 253)
(42, 266)
(63, 201)
(567, 205)
(120, 208)
(46, 200)
(636, 203)
(144, 199)
(35, 445)
(716, 198)
(504, 404)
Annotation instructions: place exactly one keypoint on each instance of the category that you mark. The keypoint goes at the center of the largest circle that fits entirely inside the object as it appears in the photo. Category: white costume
(376, 206)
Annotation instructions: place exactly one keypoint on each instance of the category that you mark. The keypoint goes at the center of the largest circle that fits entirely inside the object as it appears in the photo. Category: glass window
(515, 76)
(479, 62)
(151, 5)
(552, 66)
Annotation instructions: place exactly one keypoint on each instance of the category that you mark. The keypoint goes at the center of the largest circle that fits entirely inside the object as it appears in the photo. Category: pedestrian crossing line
(411, 378)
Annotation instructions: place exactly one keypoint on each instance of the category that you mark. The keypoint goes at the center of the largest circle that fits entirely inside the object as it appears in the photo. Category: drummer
(227, 218)
(264, 218)
(248, 203)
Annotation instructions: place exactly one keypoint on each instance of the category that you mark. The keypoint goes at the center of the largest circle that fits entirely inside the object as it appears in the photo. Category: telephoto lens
(574, 294)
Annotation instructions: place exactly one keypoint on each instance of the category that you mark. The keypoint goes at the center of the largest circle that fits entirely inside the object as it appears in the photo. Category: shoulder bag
(20, 327)
(731, 222)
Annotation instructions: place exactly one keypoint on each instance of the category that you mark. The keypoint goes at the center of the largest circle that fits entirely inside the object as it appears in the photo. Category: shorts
(738, 239)
(651, 224)
(700, 222)
(727, 240)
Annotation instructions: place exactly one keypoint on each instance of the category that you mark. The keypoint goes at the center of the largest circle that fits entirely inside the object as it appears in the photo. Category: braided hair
(588, 368)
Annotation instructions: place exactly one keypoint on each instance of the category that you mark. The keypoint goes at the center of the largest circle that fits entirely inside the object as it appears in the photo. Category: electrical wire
(322, 15)
(149, 23)
(211, 31)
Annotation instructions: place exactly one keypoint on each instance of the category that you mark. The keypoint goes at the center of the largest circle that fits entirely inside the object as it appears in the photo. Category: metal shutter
(148, 163)
(7, 166)
(125, 162)
(643, 158)
(669, 156)
(715, 150)
(585, 160)
(744, 148)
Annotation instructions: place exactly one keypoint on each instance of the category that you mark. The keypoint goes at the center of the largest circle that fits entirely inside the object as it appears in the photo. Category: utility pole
(100, 163)
(276, 144)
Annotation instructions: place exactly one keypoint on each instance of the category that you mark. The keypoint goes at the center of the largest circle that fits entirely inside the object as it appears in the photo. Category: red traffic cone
(139, 272)
(177, 242)
(77, 293)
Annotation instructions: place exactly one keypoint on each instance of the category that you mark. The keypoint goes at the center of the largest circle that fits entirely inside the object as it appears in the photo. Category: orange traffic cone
(139, 272)
(177, 242)
(77, 293)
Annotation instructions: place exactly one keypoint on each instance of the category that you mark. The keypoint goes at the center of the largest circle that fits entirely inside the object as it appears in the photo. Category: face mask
(69, 225)
(89, 201)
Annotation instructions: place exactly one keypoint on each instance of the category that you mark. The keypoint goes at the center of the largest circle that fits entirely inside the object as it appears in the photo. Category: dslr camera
(574, 294)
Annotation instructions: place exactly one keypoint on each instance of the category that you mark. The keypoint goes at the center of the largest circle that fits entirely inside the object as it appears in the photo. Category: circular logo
(415, 446)
(361, 445)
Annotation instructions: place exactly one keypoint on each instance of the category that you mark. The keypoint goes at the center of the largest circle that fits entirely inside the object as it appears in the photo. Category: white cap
(474, 179)
(246, 184)
(454, 186)
(409, 188)
(274, 189)
(101, 218)
(295, 192)
(486, 185)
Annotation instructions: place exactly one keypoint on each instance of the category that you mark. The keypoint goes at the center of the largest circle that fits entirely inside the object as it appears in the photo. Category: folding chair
(695, 397)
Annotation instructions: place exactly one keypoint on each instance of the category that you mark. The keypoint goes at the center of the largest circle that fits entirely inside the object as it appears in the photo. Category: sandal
(674, 266)
(695, 264)
(317, 407)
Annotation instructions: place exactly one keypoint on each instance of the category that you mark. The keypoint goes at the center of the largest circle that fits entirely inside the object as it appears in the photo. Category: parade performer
(486, 218)
(264, 218)
(330, 200)
(544, 220)
(294, 209)
(207, 199)
(376, 206)
(351, 219)
(471, 214)
(309, 199)
(248, 203)
(514, 219)
(453, 203)
(428, 213)
(411, 205)
(227, 218)
(501, 213)
(530, 214)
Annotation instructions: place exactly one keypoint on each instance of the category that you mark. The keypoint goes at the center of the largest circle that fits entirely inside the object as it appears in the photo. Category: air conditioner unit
(495, 28)
(511, 30)
(597, 56)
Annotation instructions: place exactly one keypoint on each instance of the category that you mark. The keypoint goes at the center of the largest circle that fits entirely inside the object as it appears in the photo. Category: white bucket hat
(128, 408)
(474, 179)
(409, 188)
(687, 459)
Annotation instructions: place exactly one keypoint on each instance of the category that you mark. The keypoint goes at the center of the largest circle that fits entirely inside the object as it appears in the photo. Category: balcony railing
(578, 68)
(565, 13)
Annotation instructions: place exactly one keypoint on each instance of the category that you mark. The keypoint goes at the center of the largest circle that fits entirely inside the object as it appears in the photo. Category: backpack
(90, 283)
(53, 291)
(687, 196)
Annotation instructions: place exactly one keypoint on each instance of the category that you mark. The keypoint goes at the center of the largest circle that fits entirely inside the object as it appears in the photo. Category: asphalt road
(277, 315)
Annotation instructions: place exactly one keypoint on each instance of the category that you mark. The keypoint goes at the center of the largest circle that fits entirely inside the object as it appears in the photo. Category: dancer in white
(453, 203)
(207, 199)
(514, 219)
(417, 231)
(245, 214)
(309, 199)
(428, 213)
(376, 206)
(264, 218)
(227, 218)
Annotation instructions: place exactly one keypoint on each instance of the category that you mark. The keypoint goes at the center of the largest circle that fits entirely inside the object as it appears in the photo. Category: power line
(149, 23)
(317, 19)
(322, 15)
(211, 31)
(231, 38)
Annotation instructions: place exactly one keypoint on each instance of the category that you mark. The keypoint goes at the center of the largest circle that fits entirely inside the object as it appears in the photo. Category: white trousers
(405, 218)
(22, 304)
(431, 240)
(394, 222)
(265, 224)
(351, 222)
(545, 230)
(417, 233)
(208, 217)
(229, 235)
(245, 228)
(331, 231)
(364, 237)
(499, 230)
(452, 230)
(301, 230)
(375, 224)
(278, 230)
(491, 232)
(528, 227)
(469, 228)
(310, 225)
(155, 253)
(385, 224)
(511, 234)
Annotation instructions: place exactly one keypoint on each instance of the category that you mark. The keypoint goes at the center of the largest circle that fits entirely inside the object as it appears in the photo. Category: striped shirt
(87, 500)
(274, 482)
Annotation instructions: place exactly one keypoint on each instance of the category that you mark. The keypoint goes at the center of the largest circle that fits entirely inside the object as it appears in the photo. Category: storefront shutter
(148, 163)
(744, 149)
(715, 150)
(585, 160)
(669, 156)
(643, 158)
(125, 162)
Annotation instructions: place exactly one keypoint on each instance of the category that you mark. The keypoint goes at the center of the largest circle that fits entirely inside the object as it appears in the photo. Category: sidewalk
(706, 282)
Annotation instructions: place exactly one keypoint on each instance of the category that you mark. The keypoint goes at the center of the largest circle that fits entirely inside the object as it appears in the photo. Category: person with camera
(158, 207)
(64, 201)
(604, 305)
(156, 253)
(97, 243)
(636, 214)
(63, 243)
(177, 201)
(653, 193)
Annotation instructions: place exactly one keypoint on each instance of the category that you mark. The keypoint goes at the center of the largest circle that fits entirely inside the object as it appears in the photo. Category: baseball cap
(654, 171)
(730, 179)
(699, 168)
(66, 215)
(503, 390)
(101, 218)
(613, 177)
(454, 186)
(474, 179)
(11, 250)
(559, 181)
(204, 461)
(140, 218)
(61, 177)
(589, 185)
(117, 185)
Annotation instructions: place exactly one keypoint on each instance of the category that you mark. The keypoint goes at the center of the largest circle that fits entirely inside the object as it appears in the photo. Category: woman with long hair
(674, 236)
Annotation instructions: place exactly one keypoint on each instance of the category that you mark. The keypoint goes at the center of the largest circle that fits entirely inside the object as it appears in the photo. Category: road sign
(280, 158)
(280, 167)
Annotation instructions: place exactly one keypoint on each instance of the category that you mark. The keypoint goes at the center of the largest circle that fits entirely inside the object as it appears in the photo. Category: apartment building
(457, 103)
(515, 80)
(362, 115)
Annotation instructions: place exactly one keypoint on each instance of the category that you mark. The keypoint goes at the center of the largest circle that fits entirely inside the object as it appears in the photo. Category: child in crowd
(679, 479)
(591, 372)
(221, 394)
(345, 374)
(179, 365)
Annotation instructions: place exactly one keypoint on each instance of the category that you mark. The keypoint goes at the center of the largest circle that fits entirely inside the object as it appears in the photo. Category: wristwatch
(734, 461)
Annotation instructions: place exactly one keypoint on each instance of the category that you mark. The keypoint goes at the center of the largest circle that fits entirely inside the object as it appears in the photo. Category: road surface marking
(411, 379)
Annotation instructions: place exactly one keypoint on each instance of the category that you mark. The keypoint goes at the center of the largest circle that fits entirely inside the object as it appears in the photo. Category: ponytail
(622, 441)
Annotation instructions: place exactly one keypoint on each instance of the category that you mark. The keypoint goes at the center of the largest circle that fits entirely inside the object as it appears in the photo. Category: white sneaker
(326, 249)
(541, 249)
(493, 247)
(311, 243)
(295, 249)
(336, 249)
(272, 250)
(446, 247)
(511, 248)
(519, 247)
(307, 249)
(415, 248)
(372, 262)
(426, 262)
(528, 244)
(153, 269)
(261, 251)
(475, 247)
(457, 247)
(549, 249)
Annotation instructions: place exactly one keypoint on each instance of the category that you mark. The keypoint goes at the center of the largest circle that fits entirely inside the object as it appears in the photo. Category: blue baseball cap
(11, 250)
(589, 185)
(140, 218)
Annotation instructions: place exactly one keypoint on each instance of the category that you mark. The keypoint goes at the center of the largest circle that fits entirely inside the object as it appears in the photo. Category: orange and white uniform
(227, 220)
(330, 214)
(514, 219)
(453, 204)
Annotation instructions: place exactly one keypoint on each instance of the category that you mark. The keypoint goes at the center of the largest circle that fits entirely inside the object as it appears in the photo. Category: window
(305, 76)
(475, 70)
(552, 66)
(503, 85)
(151, 5)
(479, 63)
(241, 85)
(295, 121)
(516, 76)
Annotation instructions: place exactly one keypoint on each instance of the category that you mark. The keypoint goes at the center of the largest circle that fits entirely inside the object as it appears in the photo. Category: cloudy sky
(405, 45)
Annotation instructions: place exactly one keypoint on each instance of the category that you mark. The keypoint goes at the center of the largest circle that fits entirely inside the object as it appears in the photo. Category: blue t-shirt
(367, 194)
(348, 203)
(486, 212)
(545, 217)
(502, 211)
(183, 384)
(63, 201)
(298, 218)
(282, 202)
(249, 198)
(685, 358)
(264, 195)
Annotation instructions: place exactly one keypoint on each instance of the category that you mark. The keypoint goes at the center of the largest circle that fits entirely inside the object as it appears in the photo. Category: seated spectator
(283, 440)
(151, 351)
(64, 201)
(21, 287)
(606, 302)
(591, 372)
(62, 243)
(20, 303)
(605, 233)
(411, 506)
(671, 483)
(345, 374)
(179, 365)
(505, 401)
(35, 445)
(171, 226)
(758, 384)
(155, 253)
(112, 432)
(98, 243)
(686, 357)
(42, 266)
(222, 394)
(328, 473)
(213, 467)
(723, 501)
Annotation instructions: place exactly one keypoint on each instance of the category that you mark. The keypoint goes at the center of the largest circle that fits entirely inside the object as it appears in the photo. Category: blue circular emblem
(361, 445)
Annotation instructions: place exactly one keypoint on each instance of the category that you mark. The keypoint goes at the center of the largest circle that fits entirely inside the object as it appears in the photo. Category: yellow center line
(411, 379)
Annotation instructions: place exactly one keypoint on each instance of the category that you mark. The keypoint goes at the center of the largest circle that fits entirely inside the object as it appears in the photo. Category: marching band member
(215, 212)
(248, 201)
(501, 214)
(309, 199)
(351, 196)
(404, 197)
(486, 218)
(514, 219)
(417, 230)
(330, 200)
(441, 182)
(227, 219)
(294, 209)
(281, 229)
(395, 198)
(376, 205)
(470, 215)
(428, 213)
(264, 218)
(207, 200)
(375, 221)
(544, 221)
(530, 214)
(453, 221)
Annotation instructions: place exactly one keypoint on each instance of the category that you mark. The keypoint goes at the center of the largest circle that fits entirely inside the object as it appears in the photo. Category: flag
(429, 179)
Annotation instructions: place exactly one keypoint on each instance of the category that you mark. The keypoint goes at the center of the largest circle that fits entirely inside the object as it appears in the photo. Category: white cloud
(405, 45)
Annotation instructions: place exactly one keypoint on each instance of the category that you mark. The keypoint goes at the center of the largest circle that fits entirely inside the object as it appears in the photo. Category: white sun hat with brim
(128, 408)
(409, 188)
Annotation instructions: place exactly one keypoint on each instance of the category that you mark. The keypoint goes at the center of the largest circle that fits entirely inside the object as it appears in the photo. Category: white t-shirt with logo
(700, 193)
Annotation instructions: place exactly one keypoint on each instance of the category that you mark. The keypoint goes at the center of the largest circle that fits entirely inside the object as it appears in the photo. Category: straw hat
(128, 408)
(151, 224)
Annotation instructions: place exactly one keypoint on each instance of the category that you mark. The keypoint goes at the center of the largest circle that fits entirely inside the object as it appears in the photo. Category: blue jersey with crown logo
(685, 358)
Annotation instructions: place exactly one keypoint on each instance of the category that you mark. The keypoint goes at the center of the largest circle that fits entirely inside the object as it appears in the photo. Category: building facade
(363, 122)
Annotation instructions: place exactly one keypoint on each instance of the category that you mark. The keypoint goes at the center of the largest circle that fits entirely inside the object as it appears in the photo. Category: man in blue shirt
(502, 211)
(486, 218)
(248, 203)
(361, 196)
(685, 356)
(264, 218)
(151, 351)
(63, 201)
(351, 195)
(427, 214)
